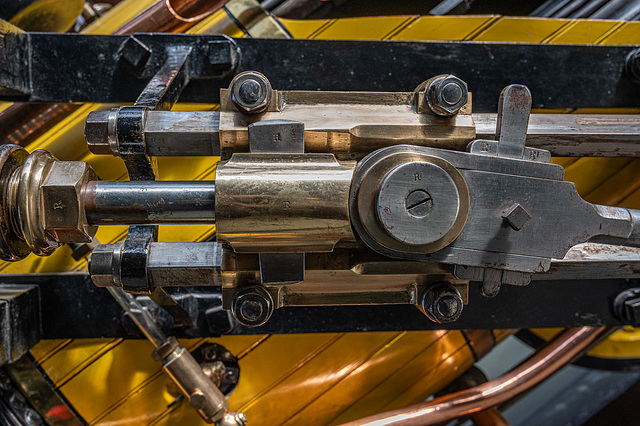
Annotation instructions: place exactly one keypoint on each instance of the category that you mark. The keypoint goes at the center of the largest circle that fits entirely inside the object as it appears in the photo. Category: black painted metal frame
(91, 312)
(52, 67)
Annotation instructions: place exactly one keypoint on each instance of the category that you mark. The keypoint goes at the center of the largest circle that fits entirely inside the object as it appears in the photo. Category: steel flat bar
(575, 135)
(559, 76)
(196, 133)
(541, 304)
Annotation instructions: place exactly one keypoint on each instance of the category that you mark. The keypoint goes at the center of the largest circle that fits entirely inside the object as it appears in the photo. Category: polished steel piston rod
(45, 202)
(153, 202)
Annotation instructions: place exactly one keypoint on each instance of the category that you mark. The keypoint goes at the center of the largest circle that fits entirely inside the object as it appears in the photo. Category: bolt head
(632, 66)
(197, 400)
(62, 202)
(252, 306)
(442, 303)
(448, 307)
(631, 311)
(446, 95)
(451, 93)
(134, 52)
(251, 92)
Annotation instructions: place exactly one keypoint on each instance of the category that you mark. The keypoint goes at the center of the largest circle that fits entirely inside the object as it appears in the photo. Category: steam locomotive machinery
(334, 210)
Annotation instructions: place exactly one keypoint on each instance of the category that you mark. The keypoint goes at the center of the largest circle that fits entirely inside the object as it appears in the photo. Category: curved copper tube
(541, 365)
(171, 16)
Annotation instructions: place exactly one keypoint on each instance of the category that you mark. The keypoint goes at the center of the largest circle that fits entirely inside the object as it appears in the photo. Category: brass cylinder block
(283, 202)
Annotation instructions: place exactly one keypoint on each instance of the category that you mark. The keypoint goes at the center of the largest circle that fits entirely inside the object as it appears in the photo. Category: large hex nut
(251, 92)
(62, 204)
(446, 95)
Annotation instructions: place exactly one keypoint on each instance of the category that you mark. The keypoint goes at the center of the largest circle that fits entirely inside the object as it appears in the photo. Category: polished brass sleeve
(283, 202)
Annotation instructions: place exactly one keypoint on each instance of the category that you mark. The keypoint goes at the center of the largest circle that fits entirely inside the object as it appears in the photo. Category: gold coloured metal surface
(283, 202)
(342, 277)
(350, 124)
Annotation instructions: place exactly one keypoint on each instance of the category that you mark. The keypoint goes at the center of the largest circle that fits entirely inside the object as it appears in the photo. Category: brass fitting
(42, 202)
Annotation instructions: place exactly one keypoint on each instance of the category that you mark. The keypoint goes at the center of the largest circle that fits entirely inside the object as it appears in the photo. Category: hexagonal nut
(62, 204)
(446, 94)
(247, 85)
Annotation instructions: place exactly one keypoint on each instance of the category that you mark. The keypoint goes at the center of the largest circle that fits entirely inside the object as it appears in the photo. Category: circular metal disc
(430, 215)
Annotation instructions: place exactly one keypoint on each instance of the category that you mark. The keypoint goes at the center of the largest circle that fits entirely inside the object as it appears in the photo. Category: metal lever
(180, 365)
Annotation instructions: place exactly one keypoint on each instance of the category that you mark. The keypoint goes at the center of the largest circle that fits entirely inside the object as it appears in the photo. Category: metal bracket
(278, 137)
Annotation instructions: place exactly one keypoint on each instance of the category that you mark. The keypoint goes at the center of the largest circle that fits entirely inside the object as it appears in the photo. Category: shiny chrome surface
(130, 202)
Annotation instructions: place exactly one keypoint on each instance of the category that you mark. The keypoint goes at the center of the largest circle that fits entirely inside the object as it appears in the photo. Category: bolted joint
(446, 95)
(134, 53)
(252, 306)
(104, 265)
(632, 66)
(626, 307)
(442, 303)
(251, 92)
(65, 219)
(43, 203)
(223, 54)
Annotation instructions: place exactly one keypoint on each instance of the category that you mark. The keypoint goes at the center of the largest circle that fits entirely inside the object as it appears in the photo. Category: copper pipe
(541, 365)
(171, 16)
(22, 123)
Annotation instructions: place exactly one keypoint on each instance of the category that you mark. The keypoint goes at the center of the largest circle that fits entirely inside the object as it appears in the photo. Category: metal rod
(194, 133)
(149, 202)
(142, 318)
(575, 135)
(543, 364)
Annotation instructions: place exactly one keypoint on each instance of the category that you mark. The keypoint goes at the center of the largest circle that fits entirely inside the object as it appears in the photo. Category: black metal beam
(115, 69)
(72, 307)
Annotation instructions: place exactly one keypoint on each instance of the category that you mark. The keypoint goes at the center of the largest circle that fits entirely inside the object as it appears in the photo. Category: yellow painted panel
(218, 23)
(443, 27)
(5, 105)
(145, 404)
(632, 201)
(186, 168)
(118, 16)
(386, 362)
(316, 377)
(432, 360)
(113, 377)
(44, 349)
(617, 187)
(303, 28)
(599, 170)
(261, 369)
(581, 32)
(629, 33)
(75, 356)
(374, 28)
(528, 30)
(274, 360)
